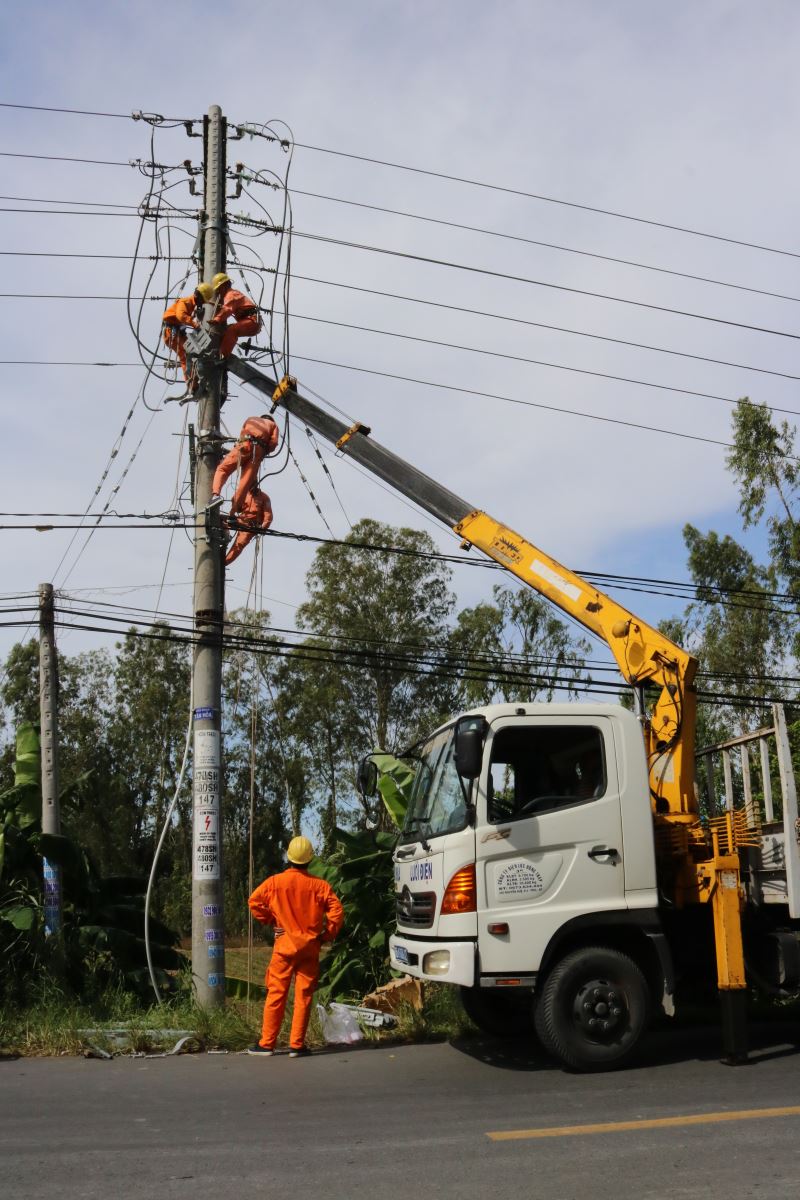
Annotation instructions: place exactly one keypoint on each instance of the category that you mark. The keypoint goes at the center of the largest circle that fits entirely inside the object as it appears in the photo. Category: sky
(681, 115)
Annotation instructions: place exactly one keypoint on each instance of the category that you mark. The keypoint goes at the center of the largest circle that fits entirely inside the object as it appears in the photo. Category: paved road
(411, 1121)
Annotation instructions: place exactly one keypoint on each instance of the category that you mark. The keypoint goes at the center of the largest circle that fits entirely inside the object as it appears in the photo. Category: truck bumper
(442, 961)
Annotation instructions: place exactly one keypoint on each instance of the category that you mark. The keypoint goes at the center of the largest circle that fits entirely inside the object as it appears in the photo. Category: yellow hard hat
(206, 291)
(300, 851)
(219, 279)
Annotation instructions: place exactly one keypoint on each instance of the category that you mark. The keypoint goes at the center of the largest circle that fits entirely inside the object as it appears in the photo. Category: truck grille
(415, 908)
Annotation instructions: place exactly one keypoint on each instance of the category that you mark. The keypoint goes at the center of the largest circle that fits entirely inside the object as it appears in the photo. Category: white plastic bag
(339, 1025)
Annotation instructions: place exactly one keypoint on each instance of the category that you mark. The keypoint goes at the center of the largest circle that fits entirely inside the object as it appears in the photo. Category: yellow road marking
(744, 1114)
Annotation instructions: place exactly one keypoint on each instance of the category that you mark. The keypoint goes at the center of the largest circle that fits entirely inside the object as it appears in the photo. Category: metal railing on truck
(746, 767)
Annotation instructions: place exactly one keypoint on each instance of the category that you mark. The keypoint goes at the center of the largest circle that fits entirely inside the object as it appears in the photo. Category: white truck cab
(553, 835)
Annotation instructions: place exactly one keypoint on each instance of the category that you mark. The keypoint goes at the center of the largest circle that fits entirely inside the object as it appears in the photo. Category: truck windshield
(437, 799)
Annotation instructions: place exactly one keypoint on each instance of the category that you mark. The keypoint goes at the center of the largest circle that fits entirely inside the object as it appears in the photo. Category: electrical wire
(514, 237)
(157, 854)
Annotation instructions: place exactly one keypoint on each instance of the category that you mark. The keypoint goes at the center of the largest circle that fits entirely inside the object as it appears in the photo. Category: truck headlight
(437, 962)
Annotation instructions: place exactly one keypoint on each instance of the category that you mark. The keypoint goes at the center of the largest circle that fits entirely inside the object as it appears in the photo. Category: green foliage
(516, 649)
(395, 778)
(102, 938)
(360, 871)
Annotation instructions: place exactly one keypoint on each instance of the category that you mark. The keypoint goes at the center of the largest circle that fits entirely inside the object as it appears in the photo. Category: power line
(149, 118)
(98, 162)
(429, 383)
(439, 647)
(448, 307)
(515, 237)
(496, 187)
(560, 287)
(477, 312)
(663, 387)
(265, 646)
(484, 395)
(699, 593)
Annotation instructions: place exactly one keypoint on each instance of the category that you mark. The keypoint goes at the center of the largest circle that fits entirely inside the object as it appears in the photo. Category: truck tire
(592, 1009)
(498, 1013)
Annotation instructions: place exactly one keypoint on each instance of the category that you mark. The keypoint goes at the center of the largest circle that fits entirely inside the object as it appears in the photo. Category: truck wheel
(501, 1014)
(592, 1009)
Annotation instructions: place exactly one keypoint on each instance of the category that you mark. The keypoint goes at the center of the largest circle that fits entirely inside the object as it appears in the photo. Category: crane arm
(643, 654)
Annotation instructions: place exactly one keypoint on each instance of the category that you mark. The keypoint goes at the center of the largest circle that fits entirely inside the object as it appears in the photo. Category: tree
(764, 463)
(377, 622)
(516, 649)
(260, 762)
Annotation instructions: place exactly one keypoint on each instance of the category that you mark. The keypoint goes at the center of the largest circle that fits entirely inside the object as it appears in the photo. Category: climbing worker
(257, 437)
(255, 513)
(306, 913)
(230, 303)
(186, 311)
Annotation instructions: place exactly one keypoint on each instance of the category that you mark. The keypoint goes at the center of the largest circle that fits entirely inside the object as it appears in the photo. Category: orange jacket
(306, 908)
(234, 304)
(181, 312)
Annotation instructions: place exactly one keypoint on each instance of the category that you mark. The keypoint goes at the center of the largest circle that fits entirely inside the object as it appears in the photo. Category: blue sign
(204, 714)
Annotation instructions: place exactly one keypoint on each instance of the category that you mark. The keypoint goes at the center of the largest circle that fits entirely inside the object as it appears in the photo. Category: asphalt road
(406, 1121)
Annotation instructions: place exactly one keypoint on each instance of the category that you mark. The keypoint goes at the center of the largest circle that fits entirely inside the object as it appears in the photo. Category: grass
(53, 1024)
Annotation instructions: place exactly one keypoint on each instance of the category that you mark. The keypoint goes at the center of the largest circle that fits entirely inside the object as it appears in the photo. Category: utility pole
(208, 946)
(48, 716)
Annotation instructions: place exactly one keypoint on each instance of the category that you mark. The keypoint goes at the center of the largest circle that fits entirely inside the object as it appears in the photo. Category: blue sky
(685, 114)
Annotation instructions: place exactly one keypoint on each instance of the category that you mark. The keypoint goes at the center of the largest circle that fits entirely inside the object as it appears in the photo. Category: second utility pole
(208, 946)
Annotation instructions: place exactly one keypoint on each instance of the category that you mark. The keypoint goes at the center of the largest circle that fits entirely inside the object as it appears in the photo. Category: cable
(537, 362)
(98, 162)
(559, 287)
(514, 237)
(448, 387)
(157, 854)
(496, 187)
(150, 118)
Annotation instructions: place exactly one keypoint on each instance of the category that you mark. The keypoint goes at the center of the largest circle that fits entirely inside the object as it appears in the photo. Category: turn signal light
(461, 893)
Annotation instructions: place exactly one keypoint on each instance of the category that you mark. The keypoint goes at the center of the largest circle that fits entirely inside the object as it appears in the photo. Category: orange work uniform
(258, 437)
(246, 320)
(308, 912)
(256, 512)
(181, 313)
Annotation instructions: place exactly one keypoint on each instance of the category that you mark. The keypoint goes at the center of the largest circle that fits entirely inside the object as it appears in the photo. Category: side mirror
(367, 777)
(469, 736)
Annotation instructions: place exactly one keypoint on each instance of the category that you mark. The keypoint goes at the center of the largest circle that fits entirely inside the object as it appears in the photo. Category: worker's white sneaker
(301, 1053)
(260, 1051)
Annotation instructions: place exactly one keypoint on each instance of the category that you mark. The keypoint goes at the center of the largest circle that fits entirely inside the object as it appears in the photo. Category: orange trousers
(232, 333)
(304, 965)
(176, 340)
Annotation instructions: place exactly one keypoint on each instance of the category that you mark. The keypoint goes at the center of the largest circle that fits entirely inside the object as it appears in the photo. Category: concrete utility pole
(48, 715)
(208, 947)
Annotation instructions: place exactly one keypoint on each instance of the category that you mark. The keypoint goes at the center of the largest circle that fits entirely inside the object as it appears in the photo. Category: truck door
(548, 836)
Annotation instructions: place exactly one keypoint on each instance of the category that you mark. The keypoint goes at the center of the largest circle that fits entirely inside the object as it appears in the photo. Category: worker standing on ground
(230, 303)
(186, 311)
(305, 912)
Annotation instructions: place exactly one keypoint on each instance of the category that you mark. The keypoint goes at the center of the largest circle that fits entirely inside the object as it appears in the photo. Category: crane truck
(554, 863)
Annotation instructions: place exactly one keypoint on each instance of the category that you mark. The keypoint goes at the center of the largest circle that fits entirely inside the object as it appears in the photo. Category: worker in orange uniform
(255, 513)
(306, 913)
(230, 303)
(187, 310)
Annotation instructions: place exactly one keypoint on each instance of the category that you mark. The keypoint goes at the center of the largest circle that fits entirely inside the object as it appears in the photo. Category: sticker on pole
(204, 714)
(206, 843)
(206, 749)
